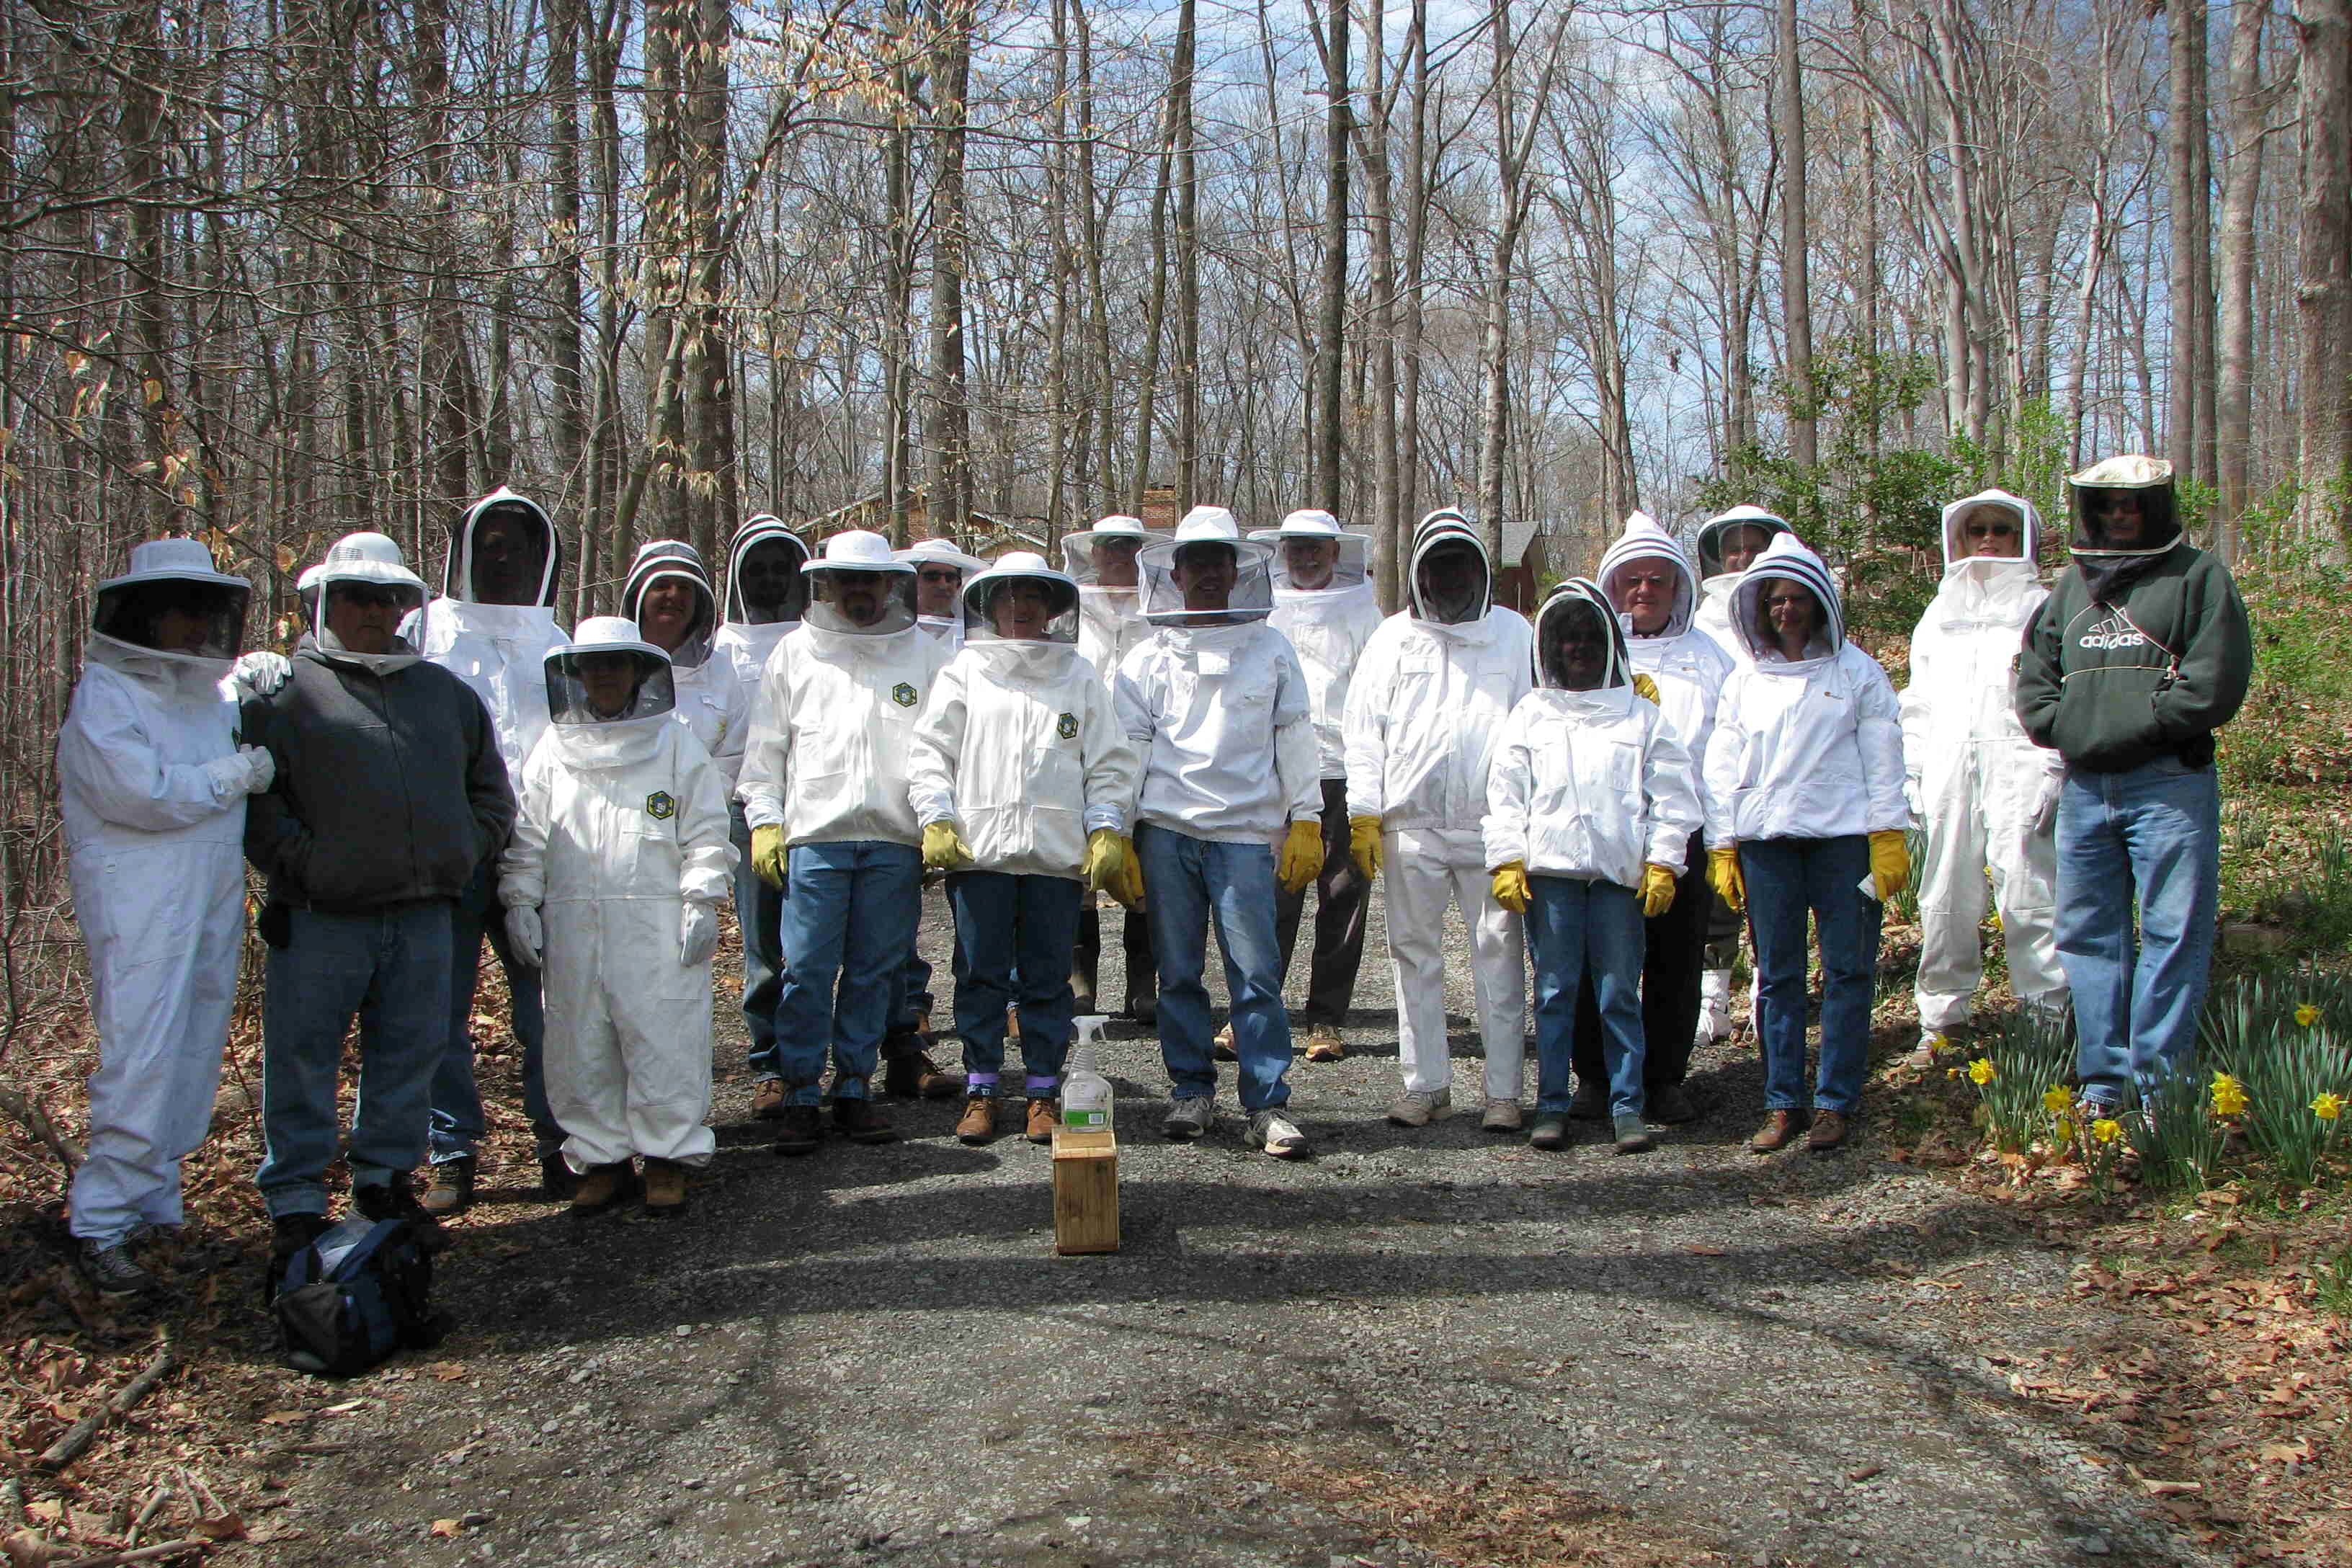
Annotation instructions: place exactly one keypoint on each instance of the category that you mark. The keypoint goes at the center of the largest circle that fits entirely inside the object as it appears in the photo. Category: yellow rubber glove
(1657, 890)
(1127, 884)
(1890, 862)
(943, 848)
(1511, 887)
(1723, 876)
(767, 854)
(1646, 687)
(1106, 857)
(1302, 856)
(1364, 845)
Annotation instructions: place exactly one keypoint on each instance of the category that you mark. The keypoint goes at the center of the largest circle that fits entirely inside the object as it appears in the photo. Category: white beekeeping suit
(1985, 792)
(499, 650)
(1716, 581)
(1429, 696)
(1327, 626)
(766, 596)
(1103, 562)
(620, 843)
(946, 630)
(1018, 745)
(711, 701)
(827, 756)
(152, 786)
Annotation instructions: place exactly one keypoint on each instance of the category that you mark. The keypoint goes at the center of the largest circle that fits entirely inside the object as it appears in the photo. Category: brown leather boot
(909, 1072)
(1779, 1130)
(452, 1190)
(979, 1124)
(1042, 1120)
(1829, 1130)
(603, 1187)
(767, 1100)
(665, 1189)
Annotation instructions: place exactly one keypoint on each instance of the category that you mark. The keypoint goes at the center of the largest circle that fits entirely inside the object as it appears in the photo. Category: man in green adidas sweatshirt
(2127, 668)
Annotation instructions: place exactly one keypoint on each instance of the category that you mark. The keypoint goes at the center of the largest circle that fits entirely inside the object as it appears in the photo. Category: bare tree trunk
(2184, 133)
(947, 432)
(1155, 314)
(563, 246)
(1373, 137)
(2324, 77)
(1796, 288)
(1097, 297)
(2234, 403)
(898, 282)
(1417, 203)
(1330, 338)
(712, 499)
(1188, 268)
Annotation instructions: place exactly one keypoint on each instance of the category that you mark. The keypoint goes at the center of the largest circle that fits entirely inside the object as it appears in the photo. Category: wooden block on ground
(1086, 1191)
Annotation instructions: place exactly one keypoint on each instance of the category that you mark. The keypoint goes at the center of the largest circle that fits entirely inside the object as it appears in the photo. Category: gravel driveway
(1416, 1339)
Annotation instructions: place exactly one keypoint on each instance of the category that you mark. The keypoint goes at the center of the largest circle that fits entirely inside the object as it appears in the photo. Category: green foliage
(2029, 1055)
(2178, 1137)
(2332, 1279)
(2284, 1038)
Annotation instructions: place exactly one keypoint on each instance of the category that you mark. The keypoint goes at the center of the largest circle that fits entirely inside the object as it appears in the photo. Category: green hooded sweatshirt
(2134, 656)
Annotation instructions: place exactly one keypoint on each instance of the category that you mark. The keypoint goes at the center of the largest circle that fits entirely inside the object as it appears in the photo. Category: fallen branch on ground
(84, 1432)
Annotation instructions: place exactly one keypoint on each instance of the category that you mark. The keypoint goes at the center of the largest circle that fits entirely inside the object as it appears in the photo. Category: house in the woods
(1527, 569)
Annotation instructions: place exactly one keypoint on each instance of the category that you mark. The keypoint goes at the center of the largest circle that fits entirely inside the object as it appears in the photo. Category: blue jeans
(1013, 938)
(391, 970)
(456, 1100)
(1578, 927)
(1187, 880)
(1785, 878)
(2153, 834)
(759, 910)
(846, 930)
(910, 986)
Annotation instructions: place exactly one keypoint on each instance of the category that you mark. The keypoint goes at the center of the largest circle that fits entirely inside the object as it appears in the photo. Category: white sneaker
(1419, 1107)
(1190, 1117)
(1278, 1135)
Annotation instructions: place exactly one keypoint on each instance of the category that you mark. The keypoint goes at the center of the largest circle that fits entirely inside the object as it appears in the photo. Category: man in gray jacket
(390, 793)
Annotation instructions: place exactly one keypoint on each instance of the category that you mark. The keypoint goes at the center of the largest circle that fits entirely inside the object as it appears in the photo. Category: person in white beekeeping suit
(1324, 604)
(825, 788)
(493, 626)
(1217, 706)
(612, 884)
(669, 597)
(151, 784)
(1429, 694)
(1590, 809)
(1651, 583)
(1102, 560)
(907, 1071)
(1985, 793)
(1727, 543)
(1023, 780)
(766, 595)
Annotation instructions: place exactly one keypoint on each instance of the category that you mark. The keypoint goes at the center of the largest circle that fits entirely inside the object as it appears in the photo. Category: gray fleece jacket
(389, 788)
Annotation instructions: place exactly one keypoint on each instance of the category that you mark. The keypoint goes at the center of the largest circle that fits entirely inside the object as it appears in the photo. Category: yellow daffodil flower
(2306, 1015)
(2328, 1107)
(1980, 1071)
(2106, 1129)
(2229, 1096)
(2057, 1099)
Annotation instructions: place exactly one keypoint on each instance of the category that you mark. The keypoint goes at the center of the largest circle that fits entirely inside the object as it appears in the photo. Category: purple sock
(1043, 1088)
(980, 1083)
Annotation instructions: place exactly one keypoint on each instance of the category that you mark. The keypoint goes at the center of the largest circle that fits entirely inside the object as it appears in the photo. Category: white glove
(698, 934)
(2045, 813)
(262, 672)
(526, 935)
(260, 768)
(246, 771)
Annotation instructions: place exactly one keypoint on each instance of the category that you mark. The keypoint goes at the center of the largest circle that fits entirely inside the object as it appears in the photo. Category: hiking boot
(1324, 1044)
(1221, 1048)
(289, 1234)
(1550, 1130)
(1670, 1105)
(1829, 1130)
(1143, 998)
(1590, 1103)
(856, 1119)
(979, 1122)
(1190, 1117)
(1501, 1116)
(556, 1179)
(452, 1192)
(665, 1189)
(396, 1199)
(603, 1188)
(1633, 1136)
(111, 1271)
(799, 1131)
(1419, 1107)
(909, 1072)
(767, 1100)
(1042, 1120)
(1278, 1135)
(1779, 1130)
